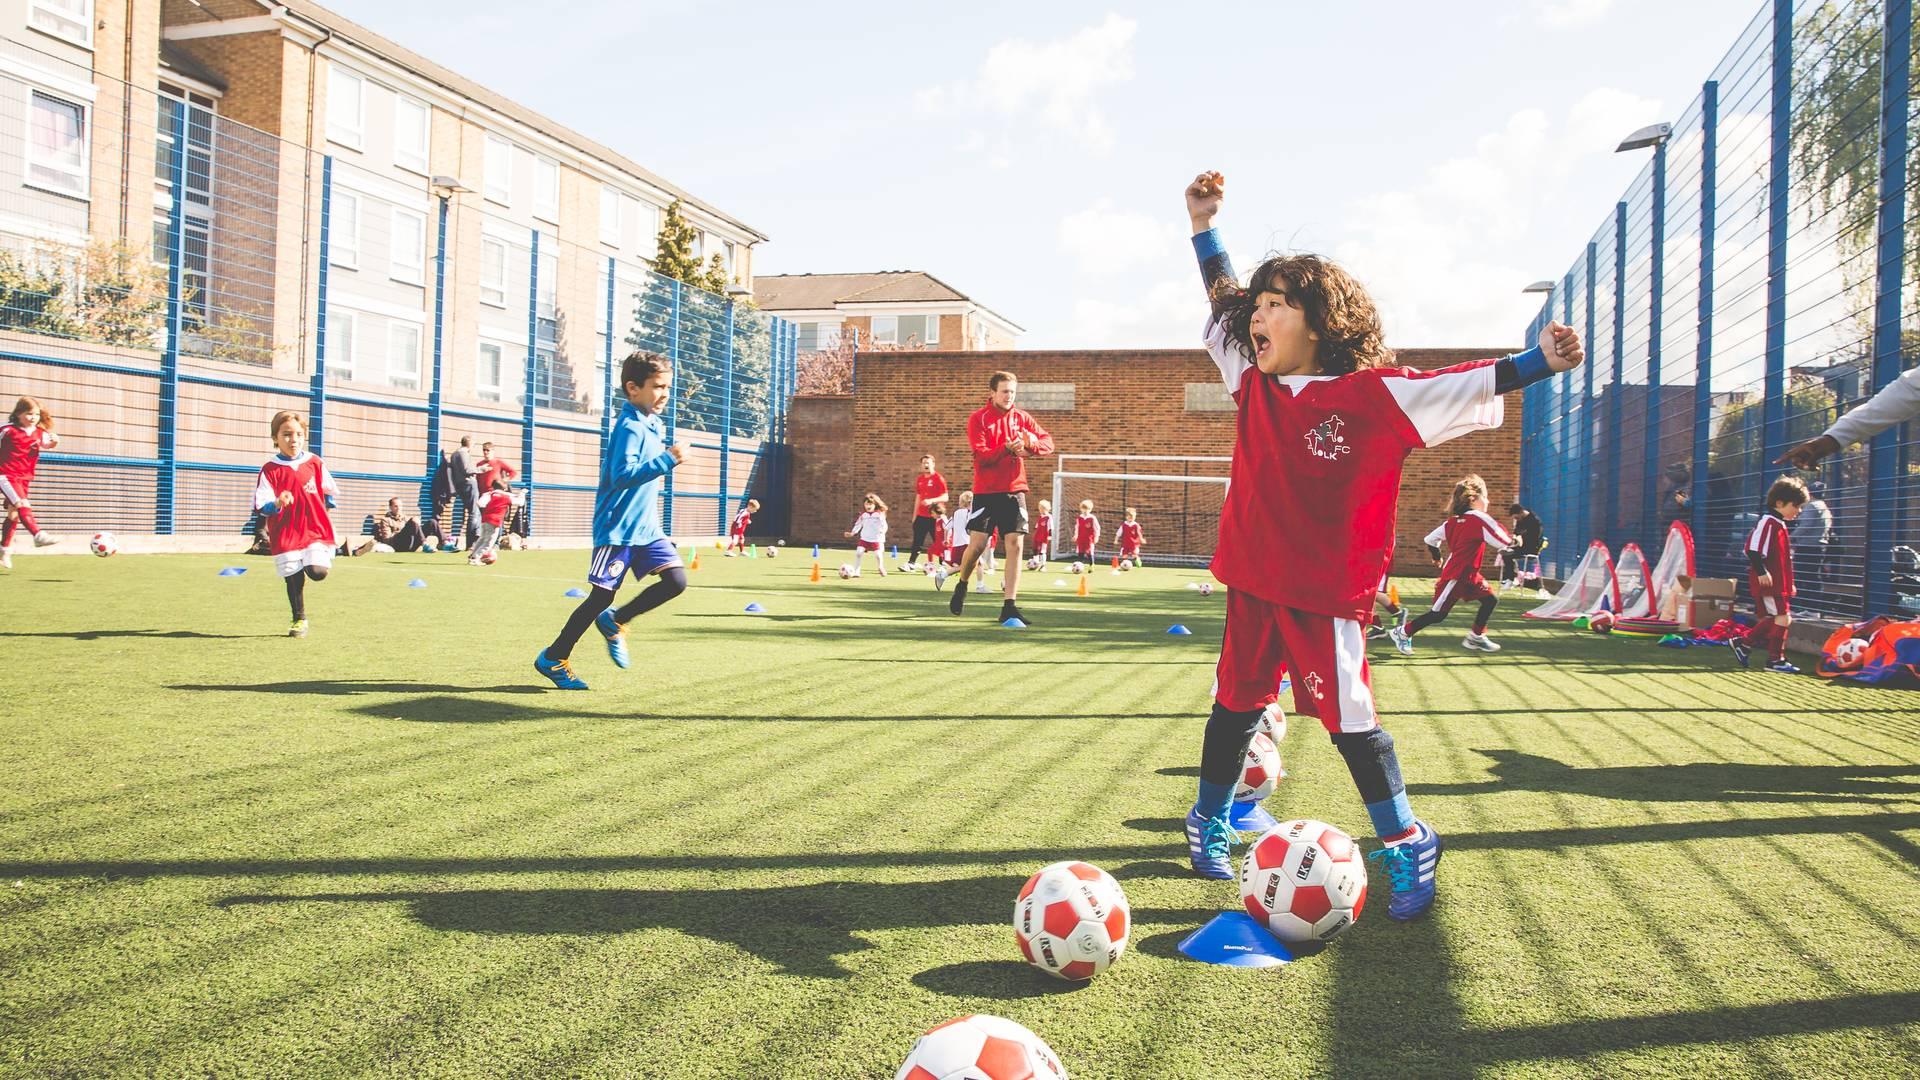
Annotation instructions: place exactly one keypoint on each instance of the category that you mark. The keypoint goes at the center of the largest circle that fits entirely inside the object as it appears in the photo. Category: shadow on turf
(96, 635)
(1695, 782)
(352, 687)
(803, 929)
(1001, 980)
(459, 710)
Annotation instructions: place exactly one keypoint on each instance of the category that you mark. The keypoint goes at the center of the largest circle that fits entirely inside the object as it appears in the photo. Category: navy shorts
(613, 562)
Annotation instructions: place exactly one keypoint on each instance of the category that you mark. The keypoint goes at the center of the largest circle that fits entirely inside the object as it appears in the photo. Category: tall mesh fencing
(1176, 500)
(1754, 282)
(170, 279)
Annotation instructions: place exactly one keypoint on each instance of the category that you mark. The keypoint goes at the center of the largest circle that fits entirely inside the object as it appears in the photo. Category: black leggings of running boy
(673, 582)
(297, 589)
(922, 535)
(1480, 618)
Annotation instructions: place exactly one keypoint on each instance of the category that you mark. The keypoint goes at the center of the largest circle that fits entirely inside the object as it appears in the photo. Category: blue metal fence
(1755, 282)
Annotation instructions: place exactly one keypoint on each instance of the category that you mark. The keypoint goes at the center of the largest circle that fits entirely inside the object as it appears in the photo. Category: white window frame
(412, 158)
(394, 328)
(338, 130)
(499, 182)
(546, 204)
(341, 327)
(600, 319)
(495, 267)
(407, 223)
(889, 336)
(482, 389)
(610, 215)
(60, 15)
(932, 336)
(62, 174)
(546, 296)
(339, 254)
(800, 336)
(646, 217)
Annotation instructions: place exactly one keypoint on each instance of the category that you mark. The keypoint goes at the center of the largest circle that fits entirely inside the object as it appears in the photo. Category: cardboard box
(1713, 600)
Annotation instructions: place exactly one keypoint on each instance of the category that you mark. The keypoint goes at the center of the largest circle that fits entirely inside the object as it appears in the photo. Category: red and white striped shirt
(1467, 537)
(1769, 551)
(1128, 538)
(303, 522)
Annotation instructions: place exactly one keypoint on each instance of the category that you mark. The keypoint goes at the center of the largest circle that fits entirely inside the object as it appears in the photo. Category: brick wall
(1127, 401)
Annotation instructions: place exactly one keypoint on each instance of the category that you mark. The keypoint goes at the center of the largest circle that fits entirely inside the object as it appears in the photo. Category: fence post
(1587, 534)
(434, 400)
(726, 425)
(1884, 473)
(166, 441)
(317, 392)
(673, 399)
(608, 403)
(1610, 528)
(1702, 488)
(1774, 438)
(533, 345)
(1561, 510)
(1650, 481)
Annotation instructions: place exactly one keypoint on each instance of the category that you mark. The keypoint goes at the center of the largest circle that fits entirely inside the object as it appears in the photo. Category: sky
(1033, 155)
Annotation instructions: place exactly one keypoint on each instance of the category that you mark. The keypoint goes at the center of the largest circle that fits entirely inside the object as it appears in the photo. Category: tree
(674, 258)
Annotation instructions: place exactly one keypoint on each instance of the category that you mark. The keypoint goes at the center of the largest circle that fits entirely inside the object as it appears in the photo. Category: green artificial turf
(784, 844)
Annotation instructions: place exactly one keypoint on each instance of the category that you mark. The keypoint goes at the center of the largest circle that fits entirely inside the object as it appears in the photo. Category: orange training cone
(696, 561)
(1116, 562)
(1393, 594)
(816, 572)
(1083, 586)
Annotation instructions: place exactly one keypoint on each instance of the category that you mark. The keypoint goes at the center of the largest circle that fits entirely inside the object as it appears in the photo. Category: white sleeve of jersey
(327, 486)
(1230, 358)
(1449, 403)
(1497, 537)
(262, 491)
(1437, 536)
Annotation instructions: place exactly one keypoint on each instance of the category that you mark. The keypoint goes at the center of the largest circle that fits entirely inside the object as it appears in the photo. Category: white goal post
(1178, 500)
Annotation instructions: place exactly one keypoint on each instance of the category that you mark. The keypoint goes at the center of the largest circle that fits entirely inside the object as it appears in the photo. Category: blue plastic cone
(896, 553)
(1179, 629)
(816, 551)
(233, 571)
(417, 583)
(1235, 940)
(575, 593)
(755, 609)
(1015, 624)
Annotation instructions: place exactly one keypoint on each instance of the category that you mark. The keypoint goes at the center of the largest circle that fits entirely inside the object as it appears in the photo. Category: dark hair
(1787, 489)
(1516, 509)
(640, 365)
(1336, 306)
(994, 380)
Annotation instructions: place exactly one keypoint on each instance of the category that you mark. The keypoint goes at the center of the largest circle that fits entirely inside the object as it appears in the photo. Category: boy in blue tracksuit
(626, 523)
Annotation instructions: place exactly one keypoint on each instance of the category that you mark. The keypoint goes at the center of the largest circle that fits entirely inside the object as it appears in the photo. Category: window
(412, 133)
(1045, 397)
(609, 216)
(409, 244)
(886, 330)
(647, 219)
(403, 355)
(932, 336)
(546, 189)
(979, 338)
(180, 108)
(346, 106)
(68, 20)
(545, 393)
(57, 146)
(493, 272)
(549, 286)
(919, 329)
(1208, 397)
(499, 181)
(726, 251)
(486, 375)
(807, 337)
(340, 346)
(343, 231)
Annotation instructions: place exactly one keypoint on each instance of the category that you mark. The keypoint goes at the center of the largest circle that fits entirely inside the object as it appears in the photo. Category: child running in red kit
(294, 493)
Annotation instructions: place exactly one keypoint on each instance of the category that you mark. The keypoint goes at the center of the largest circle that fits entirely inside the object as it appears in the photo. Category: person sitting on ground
(395, 531)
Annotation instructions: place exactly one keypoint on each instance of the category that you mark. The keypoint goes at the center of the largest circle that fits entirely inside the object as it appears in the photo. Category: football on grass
(103, 544)
(1078, 568)
(846, 570)
(1071, 920)
(981, 1047)
(1259, 770)
(1304, 880)
(1600, 622)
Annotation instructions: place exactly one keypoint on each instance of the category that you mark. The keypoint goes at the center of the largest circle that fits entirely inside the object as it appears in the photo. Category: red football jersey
(20, 451)
(1769, 541)
(1042, 532)
(740, 522)
(1466, 537)
(1128, 537)
(1309, 516)
(303, 522)
(941, 541)
(927, 490)
(1086, 532)
(494, 506)
(995, 469)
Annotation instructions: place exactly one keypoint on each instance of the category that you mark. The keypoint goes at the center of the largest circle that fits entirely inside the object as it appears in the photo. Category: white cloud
(1055, 83)
(1104, 239)
(1572, 14)
(1167, 313)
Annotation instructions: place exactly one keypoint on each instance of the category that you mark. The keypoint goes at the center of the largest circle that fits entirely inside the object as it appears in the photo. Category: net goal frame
(1203, 492)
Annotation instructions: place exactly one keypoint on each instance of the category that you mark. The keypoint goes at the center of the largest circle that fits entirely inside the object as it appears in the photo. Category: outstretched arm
(1204, 197)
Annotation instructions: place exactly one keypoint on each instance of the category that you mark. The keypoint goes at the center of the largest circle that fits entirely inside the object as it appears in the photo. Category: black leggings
(297, 589)
(673, 582)
(1480, 618)
(922, 537)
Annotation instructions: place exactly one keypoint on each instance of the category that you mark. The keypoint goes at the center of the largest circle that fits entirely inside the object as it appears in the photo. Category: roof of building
(820, 292)
(401, 56)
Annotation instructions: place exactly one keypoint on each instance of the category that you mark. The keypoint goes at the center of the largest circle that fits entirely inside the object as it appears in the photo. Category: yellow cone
(1393, 594)
(1083, 586)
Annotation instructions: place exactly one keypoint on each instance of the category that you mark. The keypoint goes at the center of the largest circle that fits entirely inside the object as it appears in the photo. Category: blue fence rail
(1755, 282)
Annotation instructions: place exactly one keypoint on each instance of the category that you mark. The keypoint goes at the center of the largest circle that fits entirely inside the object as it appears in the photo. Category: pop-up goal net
(1177, 501)
(1590, 588)
(1676, 561)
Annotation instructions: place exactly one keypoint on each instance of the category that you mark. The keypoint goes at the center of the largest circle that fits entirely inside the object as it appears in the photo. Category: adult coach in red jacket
(1003, 438)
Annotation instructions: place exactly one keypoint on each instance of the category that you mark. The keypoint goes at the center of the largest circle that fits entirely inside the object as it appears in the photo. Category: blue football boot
(1411, 868)
(616, 636)
(1210, 845)
(559, 671)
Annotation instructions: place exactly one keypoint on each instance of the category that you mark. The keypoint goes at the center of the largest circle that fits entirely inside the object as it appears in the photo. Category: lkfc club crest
(1324, 439)
(1313, 684)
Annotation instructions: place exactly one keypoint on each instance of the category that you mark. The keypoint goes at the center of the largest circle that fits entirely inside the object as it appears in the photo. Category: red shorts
(1130, 553)
(13, 490)
(1326, 656)
(1767, 601)
(866, 545)
(1450, 591)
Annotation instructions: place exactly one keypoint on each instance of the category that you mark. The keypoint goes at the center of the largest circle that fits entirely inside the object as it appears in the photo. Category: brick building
(1092, 402)
(906, 308)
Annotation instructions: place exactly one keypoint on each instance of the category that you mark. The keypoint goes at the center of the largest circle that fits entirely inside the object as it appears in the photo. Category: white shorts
(290, 563)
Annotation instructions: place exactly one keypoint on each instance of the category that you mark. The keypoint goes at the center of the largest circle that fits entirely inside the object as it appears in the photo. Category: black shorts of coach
(1002, 510)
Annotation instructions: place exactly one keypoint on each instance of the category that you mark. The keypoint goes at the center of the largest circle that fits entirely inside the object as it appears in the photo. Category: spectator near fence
(461, 476)
(1897, 402)
(394, 531)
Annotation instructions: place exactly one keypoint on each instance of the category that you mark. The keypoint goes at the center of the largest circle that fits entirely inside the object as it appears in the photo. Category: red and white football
(1260, 770)
(981, 1047)
(1071, 920)
(1304, 880)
